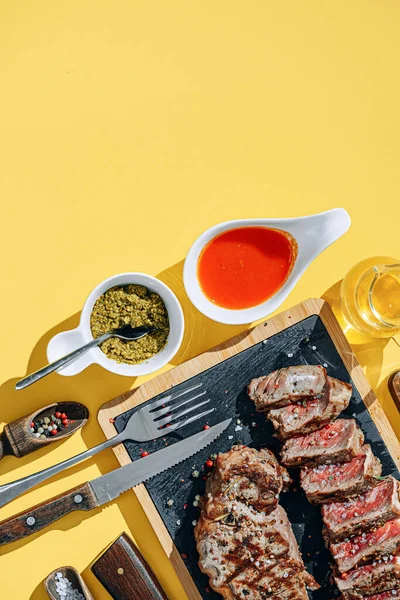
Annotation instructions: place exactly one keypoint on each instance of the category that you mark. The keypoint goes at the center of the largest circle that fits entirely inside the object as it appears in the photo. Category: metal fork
(150, 422)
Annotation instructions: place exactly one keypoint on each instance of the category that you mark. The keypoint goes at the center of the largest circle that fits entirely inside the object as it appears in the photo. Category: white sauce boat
(313, 235)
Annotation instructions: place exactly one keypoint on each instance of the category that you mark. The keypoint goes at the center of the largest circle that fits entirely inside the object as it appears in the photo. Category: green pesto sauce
(130, 305)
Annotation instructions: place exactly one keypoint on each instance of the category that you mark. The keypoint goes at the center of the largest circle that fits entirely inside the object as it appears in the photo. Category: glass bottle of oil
(370, 296)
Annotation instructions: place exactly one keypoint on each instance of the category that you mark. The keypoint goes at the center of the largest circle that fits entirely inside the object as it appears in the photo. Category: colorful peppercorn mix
(44, 427)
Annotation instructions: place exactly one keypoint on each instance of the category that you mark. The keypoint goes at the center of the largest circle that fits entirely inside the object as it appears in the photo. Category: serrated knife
(102, 490)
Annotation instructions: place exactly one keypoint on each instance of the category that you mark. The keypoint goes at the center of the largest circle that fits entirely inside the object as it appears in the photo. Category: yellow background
(127, 128)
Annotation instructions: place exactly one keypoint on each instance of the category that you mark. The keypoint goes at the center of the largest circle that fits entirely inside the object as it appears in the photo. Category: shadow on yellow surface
(201, 333)
(91, 387)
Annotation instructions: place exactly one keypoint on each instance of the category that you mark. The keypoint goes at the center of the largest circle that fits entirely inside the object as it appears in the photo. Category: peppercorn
(209, 463)
(53, 431)
(144, 453)
(206, 427)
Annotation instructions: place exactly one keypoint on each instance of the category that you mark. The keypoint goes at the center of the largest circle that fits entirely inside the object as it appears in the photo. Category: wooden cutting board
(282, 340)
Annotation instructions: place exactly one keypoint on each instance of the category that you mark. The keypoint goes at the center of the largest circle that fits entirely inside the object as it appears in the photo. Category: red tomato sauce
(243, 267)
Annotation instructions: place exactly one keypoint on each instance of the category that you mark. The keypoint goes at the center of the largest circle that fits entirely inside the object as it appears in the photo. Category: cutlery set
(146, 424)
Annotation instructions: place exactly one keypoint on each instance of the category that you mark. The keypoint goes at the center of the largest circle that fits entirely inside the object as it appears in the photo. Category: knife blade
(125, 574)
(103, 489)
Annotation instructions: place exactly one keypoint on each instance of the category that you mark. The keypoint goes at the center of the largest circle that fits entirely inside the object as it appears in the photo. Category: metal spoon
(127, 332)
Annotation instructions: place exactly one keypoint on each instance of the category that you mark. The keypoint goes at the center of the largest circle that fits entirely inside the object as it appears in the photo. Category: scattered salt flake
(230, 437)
(178, 522)
(194, 523)
(290, 354)
(313, 347)
(238, 428)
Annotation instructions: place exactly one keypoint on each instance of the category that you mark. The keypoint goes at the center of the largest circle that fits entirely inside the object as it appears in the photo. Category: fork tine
(190, 420)
(180, 414)
(153, 405)
(167, 409)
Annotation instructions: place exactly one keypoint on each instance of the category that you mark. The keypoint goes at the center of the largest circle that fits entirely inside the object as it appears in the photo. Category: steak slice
(327, 483)
(287, 385)
(246, 553)
(247, 475)
(384, 595)
(376, 506)
(338, 442)
(383, 541)
(370, 579)
(281, 580)
(308, 415)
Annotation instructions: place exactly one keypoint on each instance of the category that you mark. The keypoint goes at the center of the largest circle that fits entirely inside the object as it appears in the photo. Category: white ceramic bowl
(313, 234)
(65, 342)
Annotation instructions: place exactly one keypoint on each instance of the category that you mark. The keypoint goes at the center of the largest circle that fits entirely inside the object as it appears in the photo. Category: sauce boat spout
(316, 232)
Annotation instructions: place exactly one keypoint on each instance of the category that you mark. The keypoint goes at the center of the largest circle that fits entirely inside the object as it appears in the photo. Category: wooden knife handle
(41, 515)
(125, 574)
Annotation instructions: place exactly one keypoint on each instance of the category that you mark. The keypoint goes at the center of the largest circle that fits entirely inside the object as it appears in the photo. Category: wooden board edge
(361, 382)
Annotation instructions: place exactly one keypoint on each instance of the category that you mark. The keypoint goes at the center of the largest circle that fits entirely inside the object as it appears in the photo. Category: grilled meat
(328, 483)
(278, 580)
(376, 506)
(370, 579)
(384, 596)
(247, 475)
(287, 385)
(383, 541)
(244, 539)
(337, 442)
(310, 414)
(231, 547)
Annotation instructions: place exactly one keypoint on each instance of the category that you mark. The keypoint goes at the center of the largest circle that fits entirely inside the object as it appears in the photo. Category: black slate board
(306, 342)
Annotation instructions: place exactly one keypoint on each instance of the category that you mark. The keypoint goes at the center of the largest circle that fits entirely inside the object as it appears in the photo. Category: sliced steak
(371, 509)
(384, 595)
(247, 475)
(287, 385)
(327, 483)
(338, 442)
(310, 414)
(383, 541)
(370, 579)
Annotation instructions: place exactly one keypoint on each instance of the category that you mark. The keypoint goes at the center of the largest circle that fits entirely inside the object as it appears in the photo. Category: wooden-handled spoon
(17, 439)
